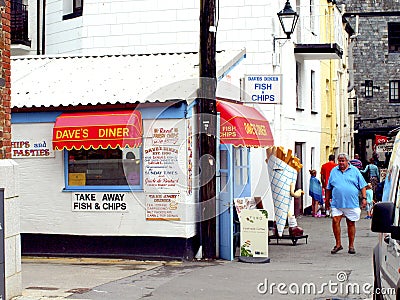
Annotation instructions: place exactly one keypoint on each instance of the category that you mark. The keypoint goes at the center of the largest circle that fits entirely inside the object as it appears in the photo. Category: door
(225, 202)
(234, 174)
(298, 202)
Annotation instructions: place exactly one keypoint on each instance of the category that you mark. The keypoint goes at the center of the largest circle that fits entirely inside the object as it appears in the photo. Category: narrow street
(304, 271)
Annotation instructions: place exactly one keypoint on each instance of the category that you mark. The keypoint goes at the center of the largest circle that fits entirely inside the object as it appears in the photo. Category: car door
(390, 258)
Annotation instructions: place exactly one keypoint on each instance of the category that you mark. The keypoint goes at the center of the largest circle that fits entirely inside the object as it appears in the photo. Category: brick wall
(5, 103)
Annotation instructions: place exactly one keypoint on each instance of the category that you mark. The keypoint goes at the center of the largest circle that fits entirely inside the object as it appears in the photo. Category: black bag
(367, 175)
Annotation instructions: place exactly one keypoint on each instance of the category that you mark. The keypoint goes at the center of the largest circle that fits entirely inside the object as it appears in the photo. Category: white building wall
(47, 209)
(150, 26)
(9, 180)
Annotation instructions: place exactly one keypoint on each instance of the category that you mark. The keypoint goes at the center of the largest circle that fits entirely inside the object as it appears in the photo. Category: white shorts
(353, 214)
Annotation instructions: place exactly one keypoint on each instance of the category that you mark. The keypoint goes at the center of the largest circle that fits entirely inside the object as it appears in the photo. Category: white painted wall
(9, 180)
(46, 208)
(150, 26)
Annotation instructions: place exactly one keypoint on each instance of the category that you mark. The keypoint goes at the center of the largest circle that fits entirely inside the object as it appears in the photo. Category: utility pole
(207, 122)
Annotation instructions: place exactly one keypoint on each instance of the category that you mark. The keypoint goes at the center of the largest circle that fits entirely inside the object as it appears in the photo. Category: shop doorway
(234, 176)
(298, 202)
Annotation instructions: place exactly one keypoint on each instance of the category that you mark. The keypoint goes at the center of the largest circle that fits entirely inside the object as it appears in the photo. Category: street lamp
(288, 19)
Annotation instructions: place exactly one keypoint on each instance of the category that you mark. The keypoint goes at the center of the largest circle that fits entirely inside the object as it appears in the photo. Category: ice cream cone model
(282, 169)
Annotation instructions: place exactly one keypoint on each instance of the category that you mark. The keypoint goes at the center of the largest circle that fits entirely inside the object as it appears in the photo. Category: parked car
(386, 221)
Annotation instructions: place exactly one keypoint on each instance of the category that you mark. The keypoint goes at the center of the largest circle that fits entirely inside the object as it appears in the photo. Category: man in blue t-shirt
(345, 183)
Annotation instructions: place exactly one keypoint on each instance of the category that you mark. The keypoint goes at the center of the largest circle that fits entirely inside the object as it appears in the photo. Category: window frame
(75, 10)
(299, 91)
(397, 89)
(368, 88)
(393, 37)
(313, 92)
(101, 188)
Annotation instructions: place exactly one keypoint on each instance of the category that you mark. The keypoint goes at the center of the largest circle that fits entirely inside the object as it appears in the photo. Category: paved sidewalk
(58, 278)
(109, 279)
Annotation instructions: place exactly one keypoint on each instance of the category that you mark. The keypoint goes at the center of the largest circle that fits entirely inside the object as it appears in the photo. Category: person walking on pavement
(315, 192)
(325, 171)
(345, 182)
(370, 201)
(374, 177)
(357, 162)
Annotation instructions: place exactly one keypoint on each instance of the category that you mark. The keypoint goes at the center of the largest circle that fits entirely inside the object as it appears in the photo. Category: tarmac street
(302, 271)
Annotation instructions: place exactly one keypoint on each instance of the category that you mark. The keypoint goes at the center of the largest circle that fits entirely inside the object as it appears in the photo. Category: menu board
(165, 169)
(160, 207)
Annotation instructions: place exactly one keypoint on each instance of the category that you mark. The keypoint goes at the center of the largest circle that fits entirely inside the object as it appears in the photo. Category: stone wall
(372, 61)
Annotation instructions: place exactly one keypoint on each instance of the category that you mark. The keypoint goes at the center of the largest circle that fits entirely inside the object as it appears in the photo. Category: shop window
(104, 167)
(369, 88)
(299, 104)
(241, 166)
(394, 37)
(394, 96)
(72, 9)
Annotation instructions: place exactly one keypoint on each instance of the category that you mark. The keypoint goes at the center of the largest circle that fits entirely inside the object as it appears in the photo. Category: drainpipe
(44, 27)
(38, 27)
(351, 66)
(351, 58)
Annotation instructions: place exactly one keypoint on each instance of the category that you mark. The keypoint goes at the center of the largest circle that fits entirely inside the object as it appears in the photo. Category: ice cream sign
(263, 88)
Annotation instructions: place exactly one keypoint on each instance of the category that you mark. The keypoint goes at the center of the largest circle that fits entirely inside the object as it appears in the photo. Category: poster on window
(167, 132)
(164, 157)
(99, 202)
(162, 171)
(33, 143)
(163, 207)
(166, 136)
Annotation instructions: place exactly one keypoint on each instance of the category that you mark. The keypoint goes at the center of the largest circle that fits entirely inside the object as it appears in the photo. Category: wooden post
(207, 120)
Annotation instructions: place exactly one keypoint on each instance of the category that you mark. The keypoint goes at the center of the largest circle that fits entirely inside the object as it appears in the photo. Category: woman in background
(374, 177)
(316, 194)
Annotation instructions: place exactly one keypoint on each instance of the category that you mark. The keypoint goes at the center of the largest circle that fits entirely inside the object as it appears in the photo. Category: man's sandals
(352, 251)
(336, 249)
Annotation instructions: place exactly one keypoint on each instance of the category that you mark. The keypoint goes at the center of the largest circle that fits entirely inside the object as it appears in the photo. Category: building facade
(376, 80)
(69, 28)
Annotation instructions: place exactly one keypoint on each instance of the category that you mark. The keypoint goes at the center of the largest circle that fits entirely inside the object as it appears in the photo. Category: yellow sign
(77, 179)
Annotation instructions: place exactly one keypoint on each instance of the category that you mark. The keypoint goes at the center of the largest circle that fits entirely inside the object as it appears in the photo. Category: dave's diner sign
(97, 129)
(263, 89)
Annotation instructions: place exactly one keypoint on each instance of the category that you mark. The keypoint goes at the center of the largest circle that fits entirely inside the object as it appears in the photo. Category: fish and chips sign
(263, 89)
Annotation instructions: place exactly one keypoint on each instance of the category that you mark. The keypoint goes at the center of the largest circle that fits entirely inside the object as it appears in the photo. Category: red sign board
(98, 129)
(242, 125)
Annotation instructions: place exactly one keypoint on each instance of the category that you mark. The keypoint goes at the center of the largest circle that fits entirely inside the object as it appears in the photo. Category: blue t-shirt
(345, 187)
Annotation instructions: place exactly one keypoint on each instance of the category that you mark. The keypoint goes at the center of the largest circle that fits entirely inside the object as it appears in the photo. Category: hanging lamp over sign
(288, 19)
